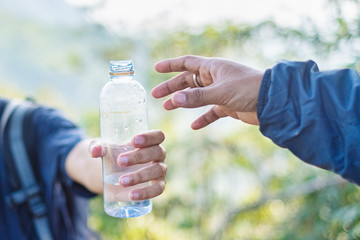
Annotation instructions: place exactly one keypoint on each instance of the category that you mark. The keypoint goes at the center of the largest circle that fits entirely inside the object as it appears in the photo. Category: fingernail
(139, 140)
(96, 151)
(179, 99)
(125, 181)
(123, 160)
(134, 195)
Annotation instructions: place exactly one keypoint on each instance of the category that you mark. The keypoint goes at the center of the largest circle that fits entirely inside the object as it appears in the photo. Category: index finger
(147, 139)
(188, 63)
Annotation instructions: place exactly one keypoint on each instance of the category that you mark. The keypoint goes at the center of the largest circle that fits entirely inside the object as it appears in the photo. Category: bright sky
(163, 14)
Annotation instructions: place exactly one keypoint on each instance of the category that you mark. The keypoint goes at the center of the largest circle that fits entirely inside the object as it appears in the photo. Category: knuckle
(136, 178)
(163, 153)
(188, 57)
(206, 118)
(144, 195)
(209, 118)
(162, 136)
(184, 83)
(168, 88)
(161, 186)
(186, 60)
(160, 154)
(203, 68)
(157, 169)
(163, 167)
(158, 136)
(183, 62)
(198, 93)
(138, 156)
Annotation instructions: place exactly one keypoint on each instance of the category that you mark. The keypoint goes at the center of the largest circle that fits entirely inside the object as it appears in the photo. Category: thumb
(96, 148)
(196, 97)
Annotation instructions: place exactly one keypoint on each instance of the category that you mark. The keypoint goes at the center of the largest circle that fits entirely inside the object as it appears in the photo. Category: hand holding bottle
(147, 149)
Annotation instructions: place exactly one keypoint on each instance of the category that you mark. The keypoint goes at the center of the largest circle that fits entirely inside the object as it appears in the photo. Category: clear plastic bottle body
(123, 114)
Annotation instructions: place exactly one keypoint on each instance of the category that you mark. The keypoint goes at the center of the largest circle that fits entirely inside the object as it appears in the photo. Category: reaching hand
(231, 87)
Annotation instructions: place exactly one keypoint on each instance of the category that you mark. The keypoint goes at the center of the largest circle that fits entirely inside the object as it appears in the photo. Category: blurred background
(226, 181)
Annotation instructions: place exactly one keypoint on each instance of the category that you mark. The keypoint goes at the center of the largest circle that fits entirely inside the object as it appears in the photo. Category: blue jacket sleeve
(56, 136)
(66, 200)
(316, 115)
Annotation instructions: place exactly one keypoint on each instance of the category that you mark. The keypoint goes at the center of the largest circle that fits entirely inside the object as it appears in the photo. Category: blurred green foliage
(226, 181)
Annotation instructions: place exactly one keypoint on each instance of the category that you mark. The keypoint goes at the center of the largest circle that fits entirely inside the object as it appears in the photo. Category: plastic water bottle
(123, 114)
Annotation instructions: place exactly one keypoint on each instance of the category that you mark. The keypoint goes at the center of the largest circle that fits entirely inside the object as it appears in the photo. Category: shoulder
(44, 116)
(50, 125)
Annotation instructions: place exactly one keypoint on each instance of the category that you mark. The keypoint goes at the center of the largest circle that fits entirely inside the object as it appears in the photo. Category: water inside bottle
(117, 200)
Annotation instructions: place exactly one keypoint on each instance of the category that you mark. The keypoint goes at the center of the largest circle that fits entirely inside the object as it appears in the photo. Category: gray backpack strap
(10, 107)
(30, 191)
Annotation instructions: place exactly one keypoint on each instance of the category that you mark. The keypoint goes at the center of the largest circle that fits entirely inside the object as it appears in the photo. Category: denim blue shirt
(53, 138)
(315, 114)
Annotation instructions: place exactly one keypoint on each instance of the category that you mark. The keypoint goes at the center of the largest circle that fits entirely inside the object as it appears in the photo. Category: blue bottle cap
(121, 67)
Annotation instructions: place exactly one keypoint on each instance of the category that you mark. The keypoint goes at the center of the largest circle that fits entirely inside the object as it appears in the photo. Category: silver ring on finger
(195, 80)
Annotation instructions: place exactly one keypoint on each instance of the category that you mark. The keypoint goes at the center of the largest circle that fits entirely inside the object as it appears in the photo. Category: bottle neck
(120, 76)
